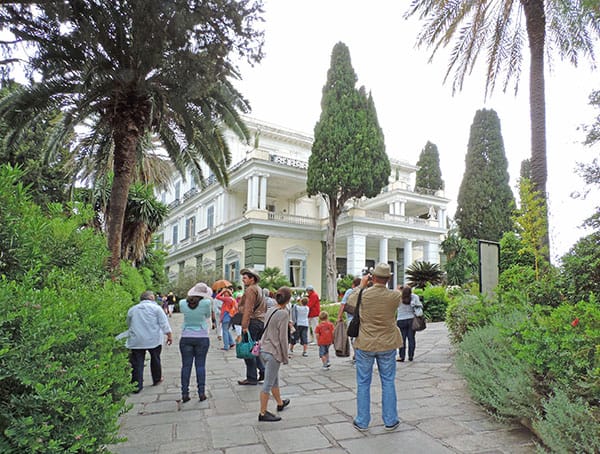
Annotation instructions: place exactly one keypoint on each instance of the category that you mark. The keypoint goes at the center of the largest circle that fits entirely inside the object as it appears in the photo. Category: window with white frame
(231, 261)
(295, 266)
(190, 227)
(210, 217)
(175, 236)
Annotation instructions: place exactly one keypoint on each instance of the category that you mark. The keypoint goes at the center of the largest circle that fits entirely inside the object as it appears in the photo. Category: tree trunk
(536, 33)
(126, 140)
(330, 263)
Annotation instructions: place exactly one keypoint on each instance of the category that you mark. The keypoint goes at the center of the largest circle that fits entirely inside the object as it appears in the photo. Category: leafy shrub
(569, 425)
(496, 378)
(544, 291)
(344, 284)
(63, 377)
(581, 268)
(469, 311)
(435, 303)
(562, 354)
(514, 252)
(332, 309)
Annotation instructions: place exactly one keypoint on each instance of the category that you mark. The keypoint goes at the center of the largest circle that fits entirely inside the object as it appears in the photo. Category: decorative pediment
(295, 252)
(232, 255)
(208, 264)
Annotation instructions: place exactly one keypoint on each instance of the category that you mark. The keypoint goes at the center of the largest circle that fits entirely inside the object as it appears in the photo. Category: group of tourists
(385, 328)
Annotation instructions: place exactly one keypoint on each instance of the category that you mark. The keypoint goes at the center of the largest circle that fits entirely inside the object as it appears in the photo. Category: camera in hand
(368, 272)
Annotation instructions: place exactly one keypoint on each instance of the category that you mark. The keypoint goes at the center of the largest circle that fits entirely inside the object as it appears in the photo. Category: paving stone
(296, 440)
(342, 430)
(251, 449)
(407, 441)
(224, 437)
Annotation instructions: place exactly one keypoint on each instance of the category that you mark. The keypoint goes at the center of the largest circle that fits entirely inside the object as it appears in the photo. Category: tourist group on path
(385, 327)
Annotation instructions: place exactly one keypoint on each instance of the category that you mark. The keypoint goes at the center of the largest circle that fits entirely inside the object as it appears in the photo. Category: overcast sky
(413, 104)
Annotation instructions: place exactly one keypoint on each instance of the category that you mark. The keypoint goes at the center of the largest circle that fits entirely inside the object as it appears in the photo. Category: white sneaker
(325, 367)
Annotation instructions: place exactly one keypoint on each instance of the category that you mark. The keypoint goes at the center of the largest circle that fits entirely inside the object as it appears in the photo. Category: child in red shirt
(324, 334)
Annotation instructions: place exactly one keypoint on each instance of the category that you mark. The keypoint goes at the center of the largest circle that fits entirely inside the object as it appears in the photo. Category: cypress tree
(348, 156)
(429, 175)
(485, 200)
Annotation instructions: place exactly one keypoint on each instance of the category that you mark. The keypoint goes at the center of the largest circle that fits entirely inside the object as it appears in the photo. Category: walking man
(314, 309)
(253, 309)
(147, 324)
(378, 339)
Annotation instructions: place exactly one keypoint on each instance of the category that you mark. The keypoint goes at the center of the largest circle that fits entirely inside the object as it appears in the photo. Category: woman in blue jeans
(406, 313)
(194, 341)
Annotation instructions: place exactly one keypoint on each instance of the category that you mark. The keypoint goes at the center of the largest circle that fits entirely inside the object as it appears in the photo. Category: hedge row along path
(436, 413)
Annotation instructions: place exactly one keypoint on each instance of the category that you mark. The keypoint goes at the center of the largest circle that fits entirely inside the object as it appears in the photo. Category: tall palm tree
(143, 216)
(496, 28)
(133, 67)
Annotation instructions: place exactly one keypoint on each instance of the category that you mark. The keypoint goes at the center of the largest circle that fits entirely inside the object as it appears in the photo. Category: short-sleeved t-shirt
(325, 332)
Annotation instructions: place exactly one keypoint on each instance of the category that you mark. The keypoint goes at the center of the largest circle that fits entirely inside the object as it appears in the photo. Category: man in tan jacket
(253, 307)
(378, 339)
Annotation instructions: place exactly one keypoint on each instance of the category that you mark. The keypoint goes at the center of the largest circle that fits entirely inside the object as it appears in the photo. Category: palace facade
(264, 218)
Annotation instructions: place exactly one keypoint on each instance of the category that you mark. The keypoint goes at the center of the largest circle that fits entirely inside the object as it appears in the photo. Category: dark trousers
(137, 357)
(407, 335)
(254, 365)
(193, 352)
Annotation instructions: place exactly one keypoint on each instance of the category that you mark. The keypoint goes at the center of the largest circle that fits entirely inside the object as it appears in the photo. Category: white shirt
(147, 324)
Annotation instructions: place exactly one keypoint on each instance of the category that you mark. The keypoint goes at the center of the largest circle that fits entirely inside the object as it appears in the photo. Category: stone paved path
(436, 412)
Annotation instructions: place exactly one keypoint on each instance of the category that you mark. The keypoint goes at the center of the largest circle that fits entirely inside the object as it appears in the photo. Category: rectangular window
(190, 227)
(296, 272)
(175, 234)
(181, 267)
(210, 217)
(177, 190)
(232, 271)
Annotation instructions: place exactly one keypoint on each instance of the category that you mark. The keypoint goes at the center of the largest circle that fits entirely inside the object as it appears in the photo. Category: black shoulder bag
(354, 326)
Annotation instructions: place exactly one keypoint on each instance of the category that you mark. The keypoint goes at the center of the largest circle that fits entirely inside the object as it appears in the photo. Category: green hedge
(63, 377)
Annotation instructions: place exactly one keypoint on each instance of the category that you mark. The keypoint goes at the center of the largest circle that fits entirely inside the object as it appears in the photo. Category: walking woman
(274, 352)
(194, 341)
(406, 312)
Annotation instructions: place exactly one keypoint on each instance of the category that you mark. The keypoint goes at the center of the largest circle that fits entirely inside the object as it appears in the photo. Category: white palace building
(264, 218)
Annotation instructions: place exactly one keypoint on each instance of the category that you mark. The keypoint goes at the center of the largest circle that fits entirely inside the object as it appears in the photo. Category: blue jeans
(193, 351)
(136, 359)
(407, 333)
(386, 363)
(254, 365)
(225, 326)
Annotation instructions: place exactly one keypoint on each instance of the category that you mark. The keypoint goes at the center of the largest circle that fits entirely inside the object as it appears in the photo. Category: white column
(383, 250)
(408, 257)
(253, 192)
(402, 209)
(262, 204)
(431, 252)
(392, 208)
(442, 218)
(356, 250)
(323, 208)
(249, 194)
